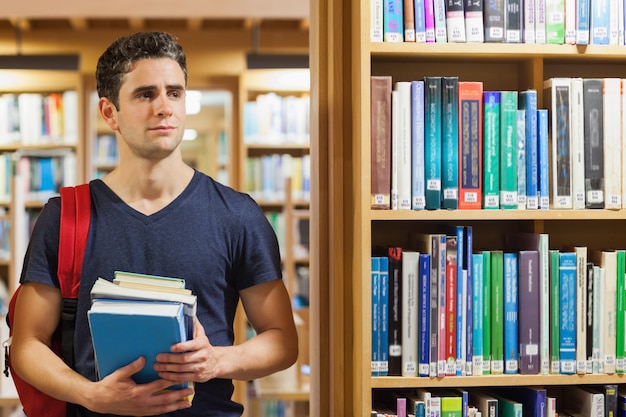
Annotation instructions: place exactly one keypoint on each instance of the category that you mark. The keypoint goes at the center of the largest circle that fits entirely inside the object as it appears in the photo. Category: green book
(509, 408)
(486, 312)
(451, 407)
(491, 150)
(508, 150)
(555, 366)
(497, 312)
(620, 354)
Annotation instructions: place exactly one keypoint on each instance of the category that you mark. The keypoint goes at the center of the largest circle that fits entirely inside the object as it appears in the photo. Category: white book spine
(410, 269)
(441, 33)
(540, 21)
(395, 129)
(612, 143)
(578, 145)
(376, 30)
(570, 22)
(403, 156)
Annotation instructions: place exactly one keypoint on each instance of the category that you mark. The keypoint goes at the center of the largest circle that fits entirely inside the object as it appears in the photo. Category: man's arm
(38, 308)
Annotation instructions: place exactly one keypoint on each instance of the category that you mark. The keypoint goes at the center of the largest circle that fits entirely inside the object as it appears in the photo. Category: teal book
(497, 312)
(124, 330)
(509, 408)
(486, 312)
(555, 366)
(376, 313)
(450, 142)
(383, 357)
(528, 102)
(393, 21)
(432, 141)
(510, 307)
(567, 299)
(491, 149)
(620, 354)
(508, 149)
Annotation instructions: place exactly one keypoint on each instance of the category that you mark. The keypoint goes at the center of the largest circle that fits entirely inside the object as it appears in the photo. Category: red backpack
(75, 218)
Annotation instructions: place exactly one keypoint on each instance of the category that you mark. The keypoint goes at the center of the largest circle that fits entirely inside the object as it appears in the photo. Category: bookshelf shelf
(486, 215)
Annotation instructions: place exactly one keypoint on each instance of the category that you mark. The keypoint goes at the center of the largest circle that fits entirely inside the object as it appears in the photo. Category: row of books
(582, 22)
(580, 401)
(442, 309)
(267, 175)
(42, 175)
(34, 119)
(444, 143)
(274, 119)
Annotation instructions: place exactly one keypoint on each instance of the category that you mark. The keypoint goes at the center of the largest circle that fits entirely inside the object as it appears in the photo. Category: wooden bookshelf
(343, 59)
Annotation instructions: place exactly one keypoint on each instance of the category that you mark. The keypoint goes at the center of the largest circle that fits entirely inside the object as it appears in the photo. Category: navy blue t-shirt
(214, 237)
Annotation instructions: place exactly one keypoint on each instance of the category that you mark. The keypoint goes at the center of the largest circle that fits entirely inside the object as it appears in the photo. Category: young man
(154, 214)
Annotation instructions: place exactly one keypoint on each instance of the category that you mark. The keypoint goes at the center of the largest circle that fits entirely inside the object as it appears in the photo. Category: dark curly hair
(120, 56)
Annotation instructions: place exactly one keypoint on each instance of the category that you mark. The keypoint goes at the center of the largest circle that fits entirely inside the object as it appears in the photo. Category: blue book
(432, 141)
(599, 22)
(47, 176)
(521, 159)
(567, 308)
(393, 21)
(124, 330)
(468, 253)
(491, 150)
(511, 347)
(533, 399)
(376, 315)
(420, 21)
(418, 198)
(528, 102)
(450, 142)
(424, 315)
(477, 313)
(383, 367)
(583, 21)
(543, 159)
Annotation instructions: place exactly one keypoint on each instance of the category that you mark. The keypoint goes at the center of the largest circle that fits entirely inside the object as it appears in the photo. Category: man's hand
(119, 394)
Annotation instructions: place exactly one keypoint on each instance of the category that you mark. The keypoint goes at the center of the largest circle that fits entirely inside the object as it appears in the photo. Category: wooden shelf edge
(496, 380)
(430, 215)
(283, 395)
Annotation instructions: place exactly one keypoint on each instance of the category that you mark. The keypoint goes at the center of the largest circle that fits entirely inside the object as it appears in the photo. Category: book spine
(578, 145)
(403, 149)
(543, 155)
(452, 249)
(528, 102)
(381, 142)
(395, 151)
(441, 307)
(408, 10)
(544, 300)
(474, 28)
(455, 21)
(491, 150)
(612, 143)
(461, 301)
(468, 267)
(477, 313)
(383, 366)
(508, 149)
(376, 30)
(424, 315)
(593, 143)
(450, 141)
(376, 314)
(540, 22)
(521, 159)
(435, 261)
(581, 309)
(529, 16)
(497, 312)
(609, 264)
(420, 21)
(432, 141)
(513, 25)
(470, 145)
(583, 22)
(429, 20)
(493, 18)
(555, 22)
(510, 307)
(486, 312)
(418, 198)
(395, 311)
(589, 319)
(599, 22)
(441, 31)
(562, 156)
(570, 22)
(567, 297)
(529, 314)
(410, 265)
(620, 316)
(393, 21)
(598, 290)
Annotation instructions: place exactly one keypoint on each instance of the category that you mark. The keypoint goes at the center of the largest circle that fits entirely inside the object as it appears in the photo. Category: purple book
(529, 308)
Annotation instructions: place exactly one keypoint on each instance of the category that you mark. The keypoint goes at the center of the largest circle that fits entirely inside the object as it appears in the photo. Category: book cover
(376, 315)
(497, 312)
(470, 144)
(155, 280)
(543, 159)
(513, 21)
(474, 28)
(491, 150)
(410, 272)
(528, 102)
(408, 11)
(567, 318)
(511, 319)
(393, 21)
(403, 148)
(612, 141)
(477, 313)
(124, 330)
(424, 315)
(593, 143)
(418, 197)
(529, 317)
(450, 141)
(376, 20)
(432, 141)
(486, 312)
(455, 21)
(521, 159)
(508, 149)
(577, 119)
(493, 20)
(380, 119)
(557, 91)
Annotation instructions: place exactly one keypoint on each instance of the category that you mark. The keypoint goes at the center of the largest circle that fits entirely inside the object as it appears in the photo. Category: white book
(474, 26)
(441, 32)
(455, 24)
(570, 22)
(529, 17)
(395, 129)
(581, 312)
(410, 294)
(583, 402)
(607, 261)
(540, 21)
(403, 149)
(70, 117)
(376, 21)
(613, 22)
(596, 345)
(578, 143)
(612, 103)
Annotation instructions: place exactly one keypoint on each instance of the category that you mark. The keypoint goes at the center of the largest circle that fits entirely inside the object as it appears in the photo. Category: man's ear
(108, 112)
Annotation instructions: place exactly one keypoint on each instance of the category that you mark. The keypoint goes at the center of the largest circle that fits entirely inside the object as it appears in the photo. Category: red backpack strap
(75, 219)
